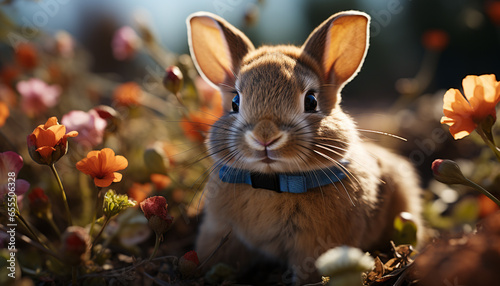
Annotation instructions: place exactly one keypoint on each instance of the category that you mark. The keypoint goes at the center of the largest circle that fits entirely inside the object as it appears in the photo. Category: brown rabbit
(291, 177)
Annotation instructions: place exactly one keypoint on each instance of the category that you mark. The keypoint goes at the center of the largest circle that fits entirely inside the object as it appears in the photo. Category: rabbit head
(281, 103)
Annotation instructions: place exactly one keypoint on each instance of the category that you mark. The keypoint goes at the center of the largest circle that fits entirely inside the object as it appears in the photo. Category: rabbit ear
(339, 45)
(216, 47)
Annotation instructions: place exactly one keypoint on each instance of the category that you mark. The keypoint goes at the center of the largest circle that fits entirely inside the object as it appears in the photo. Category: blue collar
(296, 183)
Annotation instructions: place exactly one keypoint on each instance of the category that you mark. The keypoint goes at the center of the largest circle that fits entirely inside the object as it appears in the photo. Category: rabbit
(292, 177)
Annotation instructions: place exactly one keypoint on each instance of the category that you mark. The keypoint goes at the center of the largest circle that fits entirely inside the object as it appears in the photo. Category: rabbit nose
(265, 135)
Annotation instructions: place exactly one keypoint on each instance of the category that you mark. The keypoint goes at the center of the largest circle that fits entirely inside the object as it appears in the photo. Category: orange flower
(435, 40)
(102, 166)
(49, 142)
(127, 94)
(463, 114)
(4, 113)
(197, 125)
(160, 181)
(493, 11)
(139, 192)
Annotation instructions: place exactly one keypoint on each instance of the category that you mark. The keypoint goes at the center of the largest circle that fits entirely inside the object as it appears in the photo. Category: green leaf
(405, 230)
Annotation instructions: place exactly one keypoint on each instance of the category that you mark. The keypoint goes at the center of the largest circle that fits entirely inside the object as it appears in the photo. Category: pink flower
(125, 43)
(37, 96)
(10, 165)
(90, 126)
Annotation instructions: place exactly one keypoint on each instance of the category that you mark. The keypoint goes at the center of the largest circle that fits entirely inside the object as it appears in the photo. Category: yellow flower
(463, 114)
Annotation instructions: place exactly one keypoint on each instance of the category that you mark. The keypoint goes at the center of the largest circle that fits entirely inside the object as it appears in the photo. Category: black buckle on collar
(265, 181)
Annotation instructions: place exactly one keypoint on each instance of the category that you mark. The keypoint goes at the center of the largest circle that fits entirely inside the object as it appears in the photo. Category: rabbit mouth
(268, 160)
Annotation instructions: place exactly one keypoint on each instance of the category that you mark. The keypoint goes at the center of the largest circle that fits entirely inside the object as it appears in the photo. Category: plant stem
(50, 220)
(87, 194)
(157, 245)
(26, 225)
(35, 244)
(63, 194)
(94, 216)
(73, 275)
(488, 139)
(482, 190)
(106, 221)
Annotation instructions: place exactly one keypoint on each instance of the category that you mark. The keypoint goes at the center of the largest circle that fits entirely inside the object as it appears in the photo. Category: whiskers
(383, 133)
(324, 168)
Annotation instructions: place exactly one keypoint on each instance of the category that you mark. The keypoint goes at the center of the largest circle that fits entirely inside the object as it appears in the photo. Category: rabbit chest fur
(283, 116)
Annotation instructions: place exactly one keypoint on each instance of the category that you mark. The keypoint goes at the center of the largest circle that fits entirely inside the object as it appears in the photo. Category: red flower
(188, 263)
(156, 205)
(75, 245)
(155, 210)
(39, 202)
(192, 256)
(435, 40)
(26, 56)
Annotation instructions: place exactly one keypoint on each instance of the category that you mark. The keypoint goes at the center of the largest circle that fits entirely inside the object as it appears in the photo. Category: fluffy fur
(272, 133)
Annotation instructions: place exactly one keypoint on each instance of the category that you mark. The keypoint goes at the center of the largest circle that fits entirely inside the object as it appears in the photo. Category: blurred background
(397, 47)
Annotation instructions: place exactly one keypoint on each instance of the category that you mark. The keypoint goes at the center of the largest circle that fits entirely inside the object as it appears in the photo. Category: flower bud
(447, 172)
(49, 142)
(155, 210)
(111, 116)
(114, 204)
(188, 263)
(159, 225)
(75, 245)
(173, 79)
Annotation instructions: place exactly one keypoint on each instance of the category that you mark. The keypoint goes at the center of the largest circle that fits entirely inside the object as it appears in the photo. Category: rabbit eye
(236, 103)
(310, 102)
